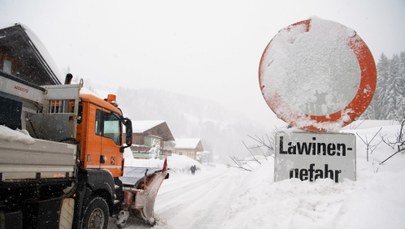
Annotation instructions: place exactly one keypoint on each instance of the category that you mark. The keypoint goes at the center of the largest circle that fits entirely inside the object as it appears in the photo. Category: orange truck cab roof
(100, 102)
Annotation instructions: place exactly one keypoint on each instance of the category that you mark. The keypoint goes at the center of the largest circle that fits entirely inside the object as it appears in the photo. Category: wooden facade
(149, 134)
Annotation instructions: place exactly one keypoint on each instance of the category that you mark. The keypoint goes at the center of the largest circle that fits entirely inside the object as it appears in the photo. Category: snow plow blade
(141, 186)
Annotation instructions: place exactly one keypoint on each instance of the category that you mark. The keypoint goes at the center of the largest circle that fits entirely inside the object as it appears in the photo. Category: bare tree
(266, 142)
(370, 147)
(238, 163)
(398, 144)
(249, 149)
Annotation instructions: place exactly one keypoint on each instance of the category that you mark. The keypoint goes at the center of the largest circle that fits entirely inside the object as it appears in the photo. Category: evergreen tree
(389, 99)
(391, 89)
(377, 104)
(401, 86)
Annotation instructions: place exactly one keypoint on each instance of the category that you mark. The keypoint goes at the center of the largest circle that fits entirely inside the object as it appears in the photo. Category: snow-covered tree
(389, 98)
(401, 85)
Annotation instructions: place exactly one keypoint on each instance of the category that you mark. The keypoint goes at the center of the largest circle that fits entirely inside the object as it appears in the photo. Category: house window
(7, 66)
(152, 141)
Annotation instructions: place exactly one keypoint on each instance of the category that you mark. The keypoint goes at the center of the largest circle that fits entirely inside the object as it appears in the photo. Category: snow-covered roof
(26, 45)
(187, 143)
(53, 69)
(157, 128)
(144, 125)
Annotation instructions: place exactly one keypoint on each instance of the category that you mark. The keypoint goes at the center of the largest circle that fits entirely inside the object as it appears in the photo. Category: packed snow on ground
(226, 197)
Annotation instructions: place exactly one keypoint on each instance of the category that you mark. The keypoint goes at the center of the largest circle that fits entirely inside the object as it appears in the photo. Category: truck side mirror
(128, 133)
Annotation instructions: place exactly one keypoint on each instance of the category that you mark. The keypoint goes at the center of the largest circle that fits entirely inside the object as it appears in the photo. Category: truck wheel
(96, 214)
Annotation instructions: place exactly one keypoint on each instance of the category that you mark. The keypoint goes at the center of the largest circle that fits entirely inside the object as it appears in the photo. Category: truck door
(103, 141)
(111, 141)
(93, 130)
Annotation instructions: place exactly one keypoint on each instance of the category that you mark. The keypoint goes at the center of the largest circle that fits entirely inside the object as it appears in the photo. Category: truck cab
(67, 170)
(99, 133)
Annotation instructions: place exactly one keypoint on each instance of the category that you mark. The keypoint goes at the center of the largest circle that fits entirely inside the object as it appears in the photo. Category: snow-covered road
(221, 197)
(196, 201)
(233, 198)
(182, 202)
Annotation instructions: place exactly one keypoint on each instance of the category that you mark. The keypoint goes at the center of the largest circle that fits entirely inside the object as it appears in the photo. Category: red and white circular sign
(317, 75)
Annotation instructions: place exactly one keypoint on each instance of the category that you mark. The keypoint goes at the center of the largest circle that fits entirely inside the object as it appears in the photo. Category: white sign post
(317, 75)
(312, 156)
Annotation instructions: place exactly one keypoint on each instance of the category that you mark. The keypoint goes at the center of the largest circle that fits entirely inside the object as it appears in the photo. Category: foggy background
(207, 50)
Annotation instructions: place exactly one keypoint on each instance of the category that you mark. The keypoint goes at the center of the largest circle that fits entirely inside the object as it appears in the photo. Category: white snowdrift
(375, 200)
(364, 124)
(175, 162)
(15, 135)
(233, 198)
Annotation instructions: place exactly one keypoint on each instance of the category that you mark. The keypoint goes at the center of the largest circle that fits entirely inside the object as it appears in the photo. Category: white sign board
(311, 156)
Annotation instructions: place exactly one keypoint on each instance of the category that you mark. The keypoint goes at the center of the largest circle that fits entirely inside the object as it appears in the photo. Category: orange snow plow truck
(61, 152)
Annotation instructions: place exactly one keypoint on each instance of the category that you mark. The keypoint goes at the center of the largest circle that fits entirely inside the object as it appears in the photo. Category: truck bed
(40, 159)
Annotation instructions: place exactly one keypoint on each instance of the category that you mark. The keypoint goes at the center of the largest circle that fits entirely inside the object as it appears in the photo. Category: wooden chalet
(149, 134)
(23, 56)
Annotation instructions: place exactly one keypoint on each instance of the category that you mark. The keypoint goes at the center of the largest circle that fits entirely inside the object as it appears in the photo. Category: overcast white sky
(210, 49)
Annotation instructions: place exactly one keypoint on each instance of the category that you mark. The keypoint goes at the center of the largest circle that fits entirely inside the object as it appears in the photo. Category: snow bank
(286, 204)
(364, 124)
(234, 198)
(375, 200)
(15, 135)
(176, 163)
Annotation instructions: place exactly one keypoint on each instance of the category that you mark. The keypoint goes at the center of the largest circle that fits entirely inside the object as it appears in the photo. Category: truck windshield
(108, 125)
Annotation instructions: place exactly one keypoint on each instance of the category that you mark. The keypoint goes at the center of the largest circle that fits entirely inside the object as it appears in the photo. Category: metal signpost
(318, 76)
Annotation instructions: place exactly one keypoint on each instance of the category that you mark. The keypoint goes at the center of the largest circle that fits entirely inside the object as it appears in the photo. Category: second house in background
(190, 147)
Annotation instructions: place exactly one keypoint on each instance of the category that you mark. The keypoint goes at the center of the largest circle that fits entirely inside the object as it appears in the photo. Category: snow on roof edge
(140, 126)
(37, 43)
(187, 143)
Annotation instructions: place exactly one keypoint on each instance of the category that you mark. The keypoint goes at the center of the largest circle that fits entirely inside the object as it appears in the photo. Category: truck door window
(109, 126)
(99, 121)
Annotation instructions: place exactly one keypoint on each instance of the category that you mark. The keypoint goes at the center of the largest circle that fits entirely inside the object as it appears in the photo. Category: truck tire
(96, 214)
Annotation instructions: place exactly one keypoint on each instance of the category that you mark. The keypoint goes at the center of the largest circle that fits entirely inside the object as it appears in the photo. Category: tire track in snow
(170, 203)
(200, 201)
(216, 212)
(170, 199)
(190, 183)
(201, 205)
